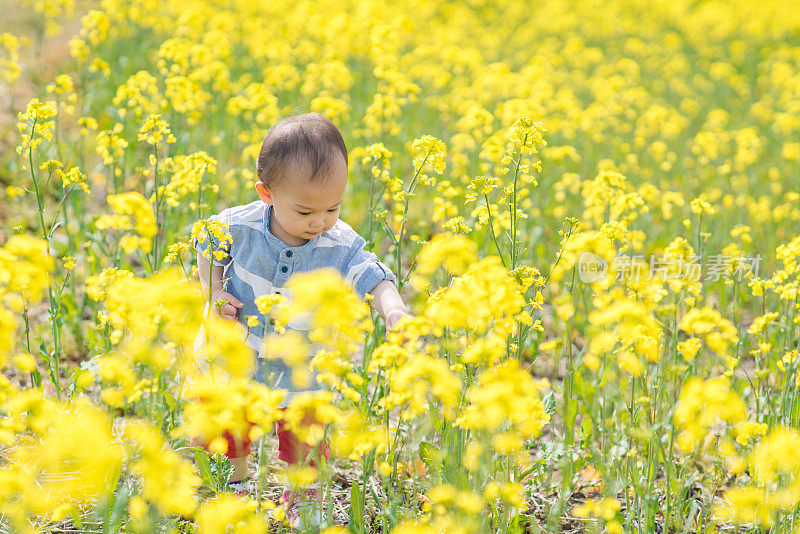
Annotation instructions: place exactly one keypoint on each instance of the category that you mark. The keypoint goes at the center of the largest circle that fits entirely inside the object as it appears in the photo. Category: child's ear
(264, 192)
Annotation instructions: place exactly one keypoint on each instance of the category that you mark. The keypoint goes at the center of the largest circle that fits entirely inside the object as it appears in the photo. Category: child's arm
(388, 303)
(226, 311)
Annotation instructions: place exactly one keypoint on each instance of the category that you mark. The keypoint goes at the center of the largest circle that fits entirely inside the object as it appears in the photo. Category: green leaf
(549, 402)
(433, 411)
(120, 507)
(430, 455)
(37, 377)
(356, 508)
(42, 348)
(204, 468)
(390, 233)
(515, 525)
(169, 399)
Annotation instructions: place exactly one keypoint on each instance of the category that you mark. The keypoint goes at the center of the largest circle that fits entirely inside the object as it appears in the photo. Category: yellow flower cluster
(666, 128)
(9, 66)
(25, 264)
(336, 316)
(188, 176)
(130, 207)
(231, 515)
(154, 129)
(606, 509)
(243, 408)
(706, 408)
(506, 395)
(775, 486)
(629, 322)
(717, 332)
(70, 459)
(169, 480)
(218, 235)
(36, 125)
(484, 297)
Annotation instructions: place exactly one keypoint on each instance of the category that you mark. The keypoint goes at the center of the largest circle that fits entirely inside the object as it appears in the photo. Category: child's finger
(234, 301)
(227, 309)
(230, 315)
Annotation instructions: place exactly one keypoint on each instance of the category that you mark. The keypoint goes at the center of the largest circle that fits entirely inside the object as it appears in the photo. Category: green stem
(53, 311)
(514, 209)
(410, 192)
(491, 229)
(157, 208)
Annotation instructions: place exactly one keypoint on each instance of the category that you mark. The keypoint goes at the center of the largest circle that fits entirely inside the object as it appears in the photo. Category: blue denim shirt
(259, 263)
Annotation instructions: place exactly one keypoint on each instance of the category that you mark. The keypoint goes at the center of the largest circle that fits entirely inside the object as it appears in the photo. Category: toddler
(293, 227)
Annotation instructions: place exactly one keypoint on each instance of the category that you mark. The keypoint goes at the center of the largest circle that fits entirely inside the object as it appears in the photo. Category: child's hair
(309, 140)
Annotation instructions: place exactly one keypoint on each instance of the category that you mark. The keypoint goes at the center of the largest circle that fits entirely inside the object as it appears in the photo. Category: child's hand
(227, 305)
(393, 316)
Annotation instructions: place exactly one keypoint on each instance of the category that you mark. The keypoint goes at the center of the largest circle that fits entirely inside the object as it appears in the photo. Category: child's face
(301, 210)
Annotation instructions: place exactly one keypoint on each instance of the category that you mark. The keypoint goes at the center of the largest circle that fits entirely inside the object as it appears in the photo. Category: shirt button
(289, 253)
(284, 269)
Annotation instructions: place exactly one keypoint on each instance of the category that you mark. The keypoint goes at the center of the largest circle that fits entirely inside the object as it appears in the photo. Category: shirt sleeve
(219, 250)
(363, 270)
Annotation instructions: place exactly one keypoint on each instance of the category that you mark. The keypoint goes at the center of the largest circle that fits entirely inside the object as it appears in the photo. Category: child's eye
(334, 209)
(304, 213)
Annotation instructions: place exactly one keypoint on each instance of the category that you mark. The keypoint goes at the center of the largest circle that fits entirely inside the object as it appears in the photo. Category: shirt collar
(279, 248)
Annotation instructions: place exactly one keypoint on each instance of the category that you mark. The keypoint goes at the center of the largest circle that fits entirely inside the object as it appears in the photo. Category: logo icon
(591, 267)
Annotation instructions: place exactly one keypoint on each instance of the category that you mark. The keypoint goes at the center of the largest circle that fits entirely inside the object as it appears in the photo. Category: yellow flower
(36, 125)
(338, 317)
(605, 509)
(169, 480)
(132, 204)
(74, 177)
(25, 362)
(226, 513)
(484, 296)
(352, 436)
(154, 129)
(760, 322)
(505, 394)
(9, 68)
(301, 476)
(718, 333)
(454, 253)
(74, 458)
(96, 284)
(187, 176)
(704, 404)
(689, 348)
(25, 265)
(412, 381)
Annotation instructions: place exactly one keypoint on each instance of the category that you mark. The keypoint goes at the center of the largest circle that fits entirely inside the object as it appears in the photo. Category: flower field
(592, 208)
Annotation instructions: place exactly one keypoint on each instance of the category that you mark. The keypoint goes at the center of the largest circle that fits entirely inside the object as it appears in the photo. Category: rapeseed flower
(130, 207)
(705, 406)
(25, 266)
(337, 317)
(717, 332)
(36, 125)
(72, 458)
(503, 395)
(226, 513)
(154, 129)
(484, 296)
(169, 481)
